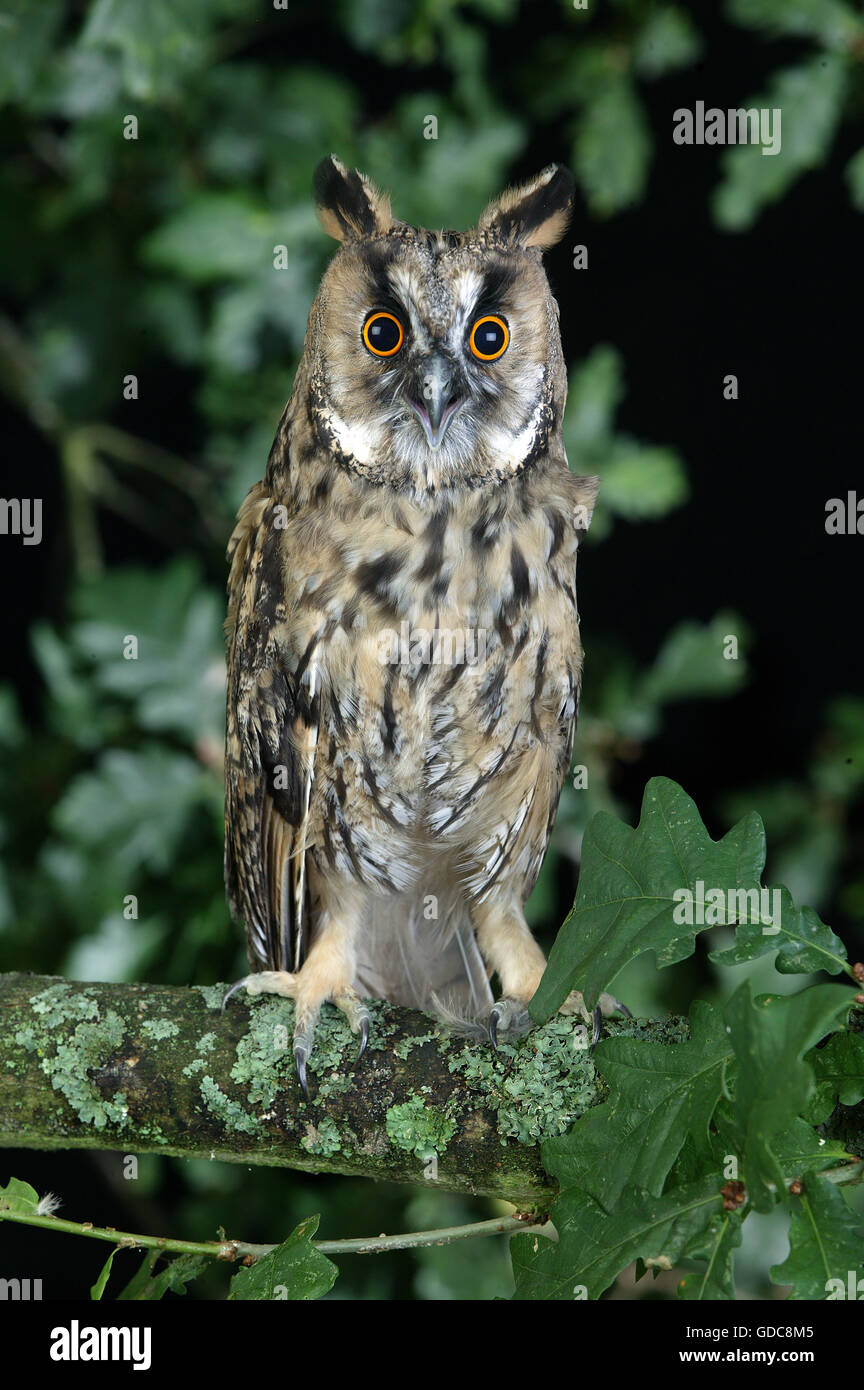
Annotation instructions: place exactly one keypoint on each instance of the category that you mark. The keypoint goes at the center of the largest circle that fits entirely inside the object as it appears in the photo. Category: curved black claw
(364, 1037)
(233, 990)
(598, 1024)
(301, 1057)
(508, 1016)
(622, 1009)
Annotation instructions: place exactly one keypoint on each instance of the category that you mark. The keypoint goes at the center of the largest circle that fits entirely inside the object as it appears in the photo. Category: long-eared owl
(404, 653)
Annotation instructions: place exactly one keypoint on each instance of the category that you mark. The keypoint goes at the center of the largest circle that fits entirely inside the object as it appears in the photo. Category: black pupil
(489, 338)
(383, 334)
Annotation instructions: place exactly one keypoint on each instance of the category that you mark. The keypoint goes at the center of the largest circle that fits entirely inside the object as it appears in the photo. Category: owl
(404, 660)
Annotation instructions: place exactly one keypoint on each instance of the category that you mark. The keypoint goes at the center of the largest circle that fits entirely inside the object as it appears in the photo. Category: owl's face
(435, 356)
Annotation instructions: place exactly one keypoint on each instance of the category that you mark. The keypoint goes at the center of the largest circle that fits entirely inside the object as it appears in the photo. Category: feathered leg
(510, 950)
(327, 974)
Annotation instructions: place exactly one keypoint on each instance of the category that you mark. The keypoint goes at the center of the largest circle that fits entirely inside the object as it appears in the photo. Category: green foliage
(830, 22)
(814, 96)
(808, 821)
(18, 1198)
(294, 1270)
(640, 482)
(643, 1176)
(713, 1254)
(98, 1288)
(811, 98)
(632, 897)
(824, 1243)
(803, 943)
(770, 1036)
(660, 1095)
(147, 1287)
(840, 1070)
(611, 149)
(694, 1132)
(594, 1244)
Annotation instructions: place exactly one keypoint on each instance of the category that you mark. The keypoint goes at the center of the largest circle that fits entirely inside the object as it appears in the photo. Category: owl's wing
(272, 734)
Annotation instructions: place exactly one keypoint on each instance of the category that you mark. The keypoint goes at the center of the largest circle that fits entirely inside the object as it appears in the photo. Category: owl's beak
(439, 401)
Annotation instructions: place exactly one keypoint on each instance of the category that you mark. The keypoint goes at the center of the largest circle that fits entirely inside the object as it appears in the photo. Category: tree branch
(230, 1250)
(152, 1069)
(149, 1069)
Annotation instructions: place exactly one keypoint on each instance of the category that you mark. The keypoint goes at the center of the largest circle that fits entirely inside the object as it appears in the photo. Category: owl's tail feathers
(508, 1015)
(456, 1019)
(413, 961)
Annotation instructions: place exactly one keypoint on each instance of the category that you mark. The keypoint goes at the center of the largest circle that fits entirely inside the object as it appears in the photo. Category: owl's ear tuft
(535, 214)
(349, 206)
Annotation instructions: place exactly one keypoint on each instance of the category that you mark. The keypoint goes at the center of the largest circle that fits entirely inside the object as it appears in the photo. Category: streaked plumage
(388, 805)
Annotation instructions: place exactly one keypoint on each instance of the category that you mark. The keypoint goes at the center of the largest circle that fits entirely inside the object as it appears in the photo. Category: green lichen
(673, 1029)
(322, 1138)
(205, 1044)
(229, 1111)
(264, 1056)
(406, 1045)
(537, 1087)
(213, 995)
(336, 1083)
(57, 1005)
(418, 1129)
(85, 1049)
(160, 1028)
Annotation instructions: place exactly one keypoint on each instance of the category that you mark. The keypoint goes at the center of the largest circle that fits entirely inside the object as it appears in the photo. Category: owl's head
(434, 358)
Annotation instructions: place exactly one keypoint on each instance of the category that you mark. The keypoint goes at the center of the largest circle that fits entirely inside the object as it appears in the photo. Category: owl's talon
(356, 1010)
(511, 1016)
(266, 982)
(304, 1041)
(607, 1004)
(301, 1057)
(598, 1024)
(238, 984)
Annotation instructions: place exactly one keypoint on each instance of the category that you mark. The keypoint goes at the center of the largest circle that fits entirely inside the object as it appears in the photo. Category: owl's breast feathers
(403, 683)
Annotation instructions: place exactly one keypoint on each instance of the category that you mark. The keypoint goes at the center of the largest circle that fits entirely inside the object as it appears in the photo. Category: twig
(376, 1245)
(231, 1250)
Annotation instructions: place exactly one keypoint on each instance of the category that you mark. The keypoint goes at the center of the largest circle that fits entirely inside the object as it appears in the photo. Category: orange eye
(489, 338)
(382, 334)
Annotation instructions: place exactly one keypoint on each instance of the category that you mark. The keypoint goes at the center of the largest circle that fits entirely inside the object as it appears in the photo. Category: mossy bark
(152, 1069)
